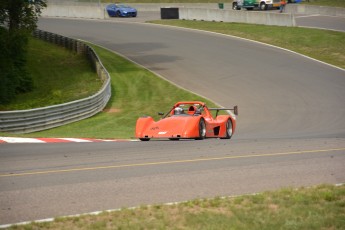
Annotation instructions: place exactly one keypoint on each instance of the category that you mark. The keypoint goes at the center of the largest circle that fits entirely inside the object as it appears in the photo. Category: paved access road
(321, 21)
(291, 129)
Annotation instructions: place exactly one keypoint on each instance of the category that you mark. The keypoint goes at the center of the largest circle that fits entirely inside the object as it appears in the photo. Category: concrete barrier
(157, 6)
(321, 10)
(97, 11)
(77, 10)
(195, 11)
(254, 17)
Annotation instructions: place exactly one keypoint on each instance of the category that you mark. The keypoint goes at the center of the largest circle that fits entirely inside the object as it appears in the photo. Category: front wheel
(235, 6)
(202, 130)
(144, 139)
(228, 133)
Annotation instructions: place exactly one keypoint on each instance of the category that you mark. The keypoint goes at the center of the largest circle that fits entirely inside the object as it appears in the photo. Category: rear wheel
(263, 6)
(228, 131)
(202, 130)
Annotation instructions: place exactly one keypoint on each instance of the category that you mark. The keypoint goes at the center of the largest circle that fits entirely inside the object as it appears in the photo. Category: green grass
(59, 76)
(321, 207)
(327, 46)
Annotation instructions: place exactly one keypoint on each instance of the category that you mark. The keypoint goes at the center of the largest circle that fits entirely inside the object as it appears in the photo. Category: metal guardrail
(32, 120)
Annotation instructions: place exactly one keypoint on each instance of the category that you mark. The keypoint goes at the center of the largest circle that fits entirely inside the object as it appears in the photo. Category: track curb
(14, 140)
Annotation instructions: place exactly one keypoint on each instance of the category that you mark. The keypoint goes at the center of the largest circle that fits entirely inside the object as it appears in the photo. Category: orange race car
(188, 120)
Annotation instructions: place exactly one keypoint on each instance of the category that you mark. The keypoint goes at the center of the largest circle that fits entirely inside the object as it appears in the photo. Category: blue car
(119, 10)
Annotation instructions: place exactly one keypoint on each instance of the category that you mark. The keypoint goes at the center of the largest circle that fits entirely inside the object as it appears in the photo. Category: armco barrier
(257, 17)
(26, 121)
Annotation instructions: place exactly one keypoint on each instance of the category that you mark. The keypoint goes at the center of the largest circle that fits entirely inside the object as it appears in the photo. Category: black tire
(228, 133)
(144, 139)
(202, 129)
(118, 14)
(263, 6)
(235, 6)
(174, 139)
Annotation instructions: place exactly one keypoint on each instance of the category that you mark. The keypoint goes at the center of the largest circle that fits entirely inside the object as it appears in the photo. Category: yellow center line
(170, 162)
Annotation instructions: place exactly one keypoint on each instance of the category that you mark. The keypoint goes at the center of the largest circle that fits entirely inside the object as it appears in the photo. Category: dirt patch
(111, 110)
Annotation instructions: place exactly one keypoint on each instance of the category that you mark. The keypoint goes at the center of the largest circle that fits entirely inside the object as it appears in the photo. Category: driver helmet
(178, 110)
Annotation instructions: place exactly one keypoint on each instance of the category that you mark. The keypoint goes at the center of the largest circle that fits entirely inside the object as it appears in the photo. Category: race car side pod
(235, 109)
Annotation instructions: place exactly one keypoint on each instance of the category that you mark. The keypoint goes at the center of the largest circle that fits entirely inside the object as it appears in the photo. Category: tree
(21, 14)
(18, 19)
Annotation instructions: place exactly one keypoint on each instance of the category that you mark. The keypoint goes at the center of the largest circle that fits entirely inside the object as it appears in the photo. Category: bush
(14, 78)
(18, 19)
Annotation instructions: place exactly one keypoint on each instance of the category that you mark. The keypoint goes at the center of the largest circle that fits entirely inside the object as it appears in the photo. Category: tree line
(18, 19)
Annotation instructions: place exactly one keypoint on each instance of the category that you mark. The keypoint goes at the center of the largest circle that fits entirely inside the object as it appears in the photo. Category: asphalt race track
(291, 129)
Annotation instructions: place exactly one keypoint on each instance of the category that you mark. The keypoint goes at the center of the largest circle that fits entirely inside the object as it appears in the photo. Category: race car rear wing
(235, 109)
